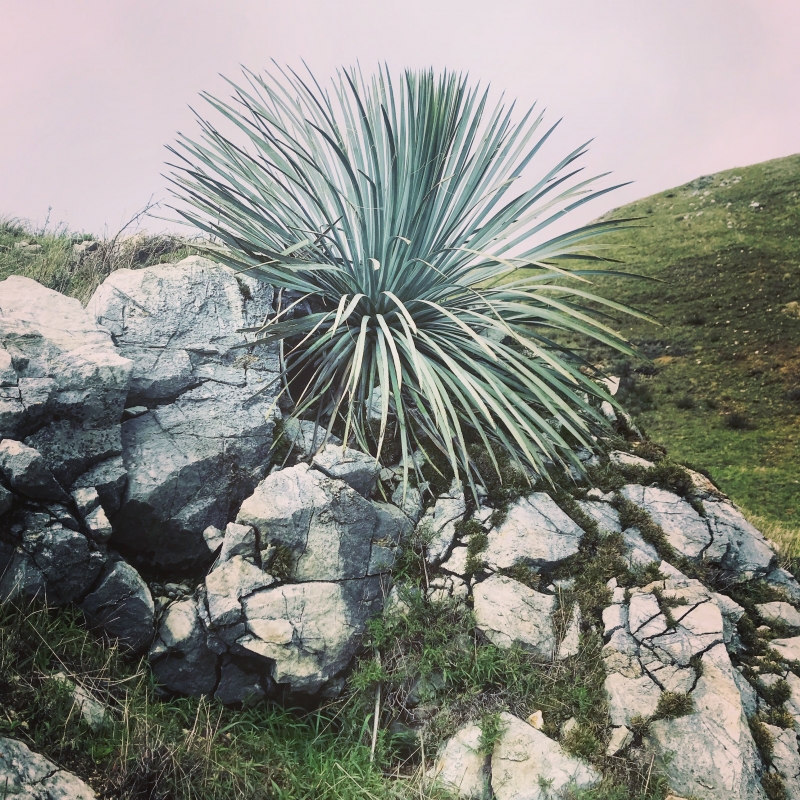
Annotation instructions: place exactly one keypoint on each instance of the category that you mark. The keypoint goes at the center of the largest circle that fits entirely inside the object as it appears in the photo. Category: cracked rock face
(722, 537)
(441, 524)
(536, 532)
(656, 646)
(204, 442)
(25, 775)
(462, 767)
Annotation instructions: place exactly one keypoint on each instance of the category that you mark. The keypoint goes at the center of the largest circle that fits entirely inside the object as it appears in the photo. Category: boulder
(64, 381)
(25, 775)
(782, 613)
(121, 604)
(356, 469)
(509, 613)
(684, 528)
(205, 442)
(527, 765)
(108, 479)
(227, 584)
(536, 532)
(180, 656)
(462, 767)
(439, 524)
(327, 527)
(309, 632)
(27, 473)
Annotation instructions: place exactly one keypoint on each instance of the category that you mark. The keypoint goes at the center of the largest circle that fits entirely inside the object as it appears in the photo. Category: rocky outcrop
(25, 775)
(462, 767)
(204, 441)
(668, 641)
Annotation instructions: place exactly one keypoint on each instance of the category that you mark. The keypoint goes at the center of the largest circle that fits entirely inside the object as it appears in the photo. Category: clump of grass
(776, 694)
(685, 403)
(780, 717)
(672, 705)
(582, 743)
(762, 737)
(774, 786)
(737, 421)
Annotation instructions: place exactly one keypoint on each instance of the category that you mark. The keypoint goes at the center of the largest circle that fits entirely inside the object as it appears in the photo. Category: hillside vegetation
(723, 389)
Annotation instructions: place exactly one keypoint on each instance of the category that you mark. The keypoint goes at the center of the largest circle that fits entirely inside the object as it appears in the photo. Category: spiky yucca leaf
(434, 297)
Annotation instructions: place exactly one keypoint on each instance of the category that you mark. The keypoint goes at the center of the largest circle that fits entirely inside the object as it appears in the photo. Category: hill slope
(723, 392)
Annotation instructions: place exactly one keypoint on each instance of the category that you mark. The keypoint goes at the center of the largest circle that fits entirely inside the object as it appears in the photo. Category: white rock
(462, 767)
(570, 644)
(604, 514)
(239, 540)
(784, 613)
(440, 524)
(301, 435)
(356, 469)
(788, 649)
(630, 697)
(527, 765)
(228, 583)
(738, 546)
(535, 532)
(510, 613)
(457, 563)
(615, 617)
(629, 460)
(638, 552)
(620, 738)
(786, 759)
(25, 775)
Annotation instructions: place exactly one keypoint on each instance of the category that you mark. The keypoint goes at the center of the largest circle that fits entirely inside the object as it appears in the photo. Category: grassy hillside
(723, 389)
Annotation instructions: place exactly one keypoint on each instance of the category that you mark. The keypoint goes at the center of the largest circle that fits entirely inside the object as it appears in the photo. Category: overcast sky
(92, 90)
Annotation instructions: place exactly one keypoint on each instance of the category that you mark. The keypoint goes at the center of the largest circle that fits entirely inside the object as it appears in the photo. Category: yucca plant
(388, 211)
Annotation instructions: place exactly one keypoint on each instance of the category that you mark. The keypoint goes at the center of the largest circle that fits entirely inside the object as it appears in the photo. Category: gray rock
(747, 693)
(239, 540)
(66, 385)
(238, 686)
(527, 765)
(121, 604)
(27, 473)
(786, 759)
(737, 545)
(621, 458)
(180, 657)
(784, 613)
(6, 500)
(307, 633)
(604, 514)
(227, 584)
(25, 775)
(356, 469)
(95, 714)
(620, 738)
(629, 698)
(326, 525)
(98, 526)
(301, 435)
(109, 479)
(570, 644)
(782, 580)
(409, 500)
(789, 649)
(86, 501)
(196, 456)
(710, 753)
(793, 703)
(440, 524)
(510, 613)
(461, 766)
(214, 538)
(392, 527)
(536, 532)
(684, 528)
(638, 552)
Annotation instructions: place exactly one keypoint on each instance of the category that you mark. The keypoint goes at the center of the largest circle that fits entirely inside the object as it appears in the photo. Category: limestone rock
(629, 698)
(536, 532)
(638, 552)
(326, 525)
(527, 765)
(205, 443)
(620, 738)
(6, 500)
(239, 540)
(440, 523)
(786, 759)
(27, 473)
(793, 703)
(737, 545)
(684, 528)
(109, 479)
(621, 458)
(301, 435)
(461, 767)
(309, 632)
(64, 380)
(509, 613)
(570, 644)
(604, 514)
(356, 469)
(227, 584)
(783, 613)
(180, 657)
(409, 500)
(782, 580)
(122, 605)
(25, 775)
(788, 649)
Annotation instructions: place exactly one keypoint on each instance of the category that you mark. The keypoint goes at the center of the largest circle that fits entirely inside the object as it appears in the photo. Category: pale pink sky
(92, 90)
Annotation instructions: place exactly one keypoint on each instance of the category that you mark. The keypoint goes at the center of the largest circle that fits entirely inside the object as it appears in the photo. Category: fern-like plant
(388, 211)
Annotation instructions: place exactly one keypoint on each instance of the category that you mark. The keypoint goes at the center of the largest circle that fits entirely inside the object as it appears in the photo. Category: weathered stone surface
(309, 632)
(301, 435)
(440, 524)
(620, 738)
(787, 648)
(108, 479)
(621, 458)
(239, 540)
(535, 532)
(94, 713)
(604, 514)
(392, 527)
(786, 759)
(409, 500)
(509, 613)
(793, 703)
(630, 697)
(570, 644)
(65, 382)
(356, 469)
(782, 579)
(638, 552)
(737, 545)
(710, 753)
(326, 525)
(527, 765)
(122, 605)
(6, 500)
(227, 584)
(180, 657)
(462, 767)
(784, 613)
(25, 775)
(684, 528)
(27, 473)
(238, 686)
(196, 456)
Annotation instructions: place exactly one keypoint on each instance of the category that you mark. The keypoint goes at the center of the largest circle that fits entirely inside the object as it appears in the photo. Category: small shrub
(695, 318)
(780, 717)
(491, 730)
(777, 694)
(774, 786)
(685, 403)
(736, 421)
(582, 742)
(762, 737)
(673, 704)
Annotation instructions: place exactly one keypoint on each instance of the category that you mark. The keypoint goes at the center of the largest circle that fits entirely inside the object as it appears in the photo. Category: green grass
(723, 390)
